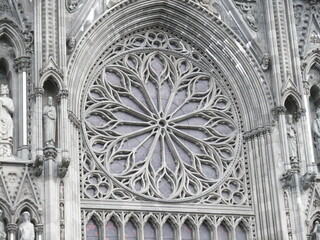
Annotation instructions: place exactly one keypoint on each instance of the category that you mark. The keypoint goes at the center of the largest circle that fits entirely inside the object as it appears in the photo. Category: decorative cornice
(63, 94)
(12, 228)
(22, 64)
(277, 111)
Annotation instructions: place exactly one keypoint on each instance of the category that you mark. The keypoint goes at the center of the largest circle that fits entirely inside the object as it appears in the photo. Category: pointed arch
(15, 36)
(219, 44)
(32, 208)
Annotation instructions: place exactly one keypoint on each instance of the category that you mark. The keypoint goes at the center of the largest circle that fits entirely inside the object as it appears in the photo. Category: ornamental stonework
(159, 125)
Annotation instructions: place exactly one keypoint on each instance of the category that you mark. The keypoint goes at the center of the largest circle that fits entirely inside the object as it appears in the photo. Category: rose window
(160, 126)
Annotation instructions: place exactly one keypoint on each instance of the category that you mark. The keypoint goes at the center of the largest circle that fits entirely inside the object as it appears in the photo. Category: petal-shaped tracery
(159, 125)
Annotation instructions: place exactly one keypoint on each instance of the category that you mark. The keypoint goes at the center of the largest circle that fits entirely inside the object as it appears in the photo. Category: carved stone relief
(249, 11)
(73, 5)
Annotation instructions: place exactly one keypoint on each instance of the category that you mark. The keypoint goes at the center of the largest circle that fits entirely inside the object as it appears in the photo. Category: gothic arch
(233, 60)
(15, 37)
(31, 207)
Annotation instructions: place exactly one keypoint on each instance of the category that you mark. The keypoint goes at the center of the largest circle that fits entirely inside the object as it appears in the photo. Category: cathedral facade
(159, 119)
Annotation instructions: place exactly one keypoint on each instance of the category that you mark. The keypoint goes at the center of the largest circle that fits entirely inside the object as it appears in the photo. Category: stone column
(12, 231)
(63, 133)
(51, 194)
(22, 67)
(39, 231)
(38, 130)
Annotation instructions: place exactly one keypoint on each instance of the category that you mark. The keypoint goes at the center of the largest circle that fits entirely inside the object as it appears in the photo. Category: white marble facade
(157, 119)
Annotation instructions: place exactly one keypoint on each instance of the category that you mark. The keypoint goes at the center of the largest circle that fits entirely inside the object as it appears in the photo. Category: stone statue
(292, 138)
(26, 228)
(6, 122)
(316, 131)
(2, 227)
(49, 120)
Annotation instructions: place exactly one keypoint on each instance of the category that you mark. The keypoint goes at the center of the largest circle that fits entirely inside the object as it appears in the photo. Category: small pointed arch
(205, 231)
(131, 229)
(15, 38)
(224, 230)
(5, 208)
(112, 229)
(153, 220)
(292, 103)
(33, 216)
(32, 208)
(93, 229)
(169, 230)
(150, 230)
(314, 98)
(311, 60)
(51, 86)
(242, 230)
(187, 230)
(315, 217)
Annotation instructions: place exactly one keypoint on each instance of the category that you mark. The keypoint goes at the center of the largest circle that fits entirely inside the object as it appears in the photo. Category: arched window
(130, 231)
(186, 232)
(111, 231)
(241, 233)
(223, 233)
(149, 232)
(205, 233)
(92, 230)
(168, 232)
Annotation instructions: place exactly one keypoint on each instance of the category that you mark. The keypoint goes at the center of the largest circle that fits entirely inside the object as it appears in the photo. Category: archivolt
(219, 44)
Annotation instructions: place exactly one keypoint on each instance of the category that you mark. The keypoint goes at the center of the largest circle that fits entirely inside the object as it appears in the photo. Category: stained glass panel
(92, 230)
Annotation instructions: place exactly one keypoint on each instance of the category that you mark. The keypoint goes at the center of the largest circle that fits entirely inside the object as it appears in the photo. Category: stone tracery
(160, 125)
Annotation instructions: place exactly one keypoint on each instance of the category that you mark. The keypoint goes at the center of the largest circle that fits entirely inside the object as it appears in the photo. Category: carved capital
(38, 165)
(12, 228)
(39, 229)
(63, 167)
(38, 92)
(50, 153)
(277, 111)
(22, 64)
(299, 113)
(63, 94)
